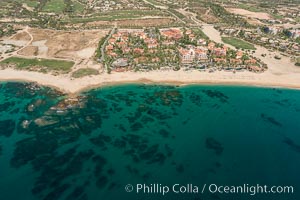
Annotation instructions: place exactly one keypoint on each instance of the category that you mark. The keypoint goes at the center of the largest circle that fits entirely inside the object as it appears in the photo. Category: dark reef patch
(164, 133)
(30, 148)
(101, 140)
(216, 94)
(7, 127)
(292, 144)
(101, 182)
(270, 120)
(213, 144)
(57, 192)
(195, 99)
(77, 193)
(180, 168)
(6, 106)
(217, 164)
(75, 145)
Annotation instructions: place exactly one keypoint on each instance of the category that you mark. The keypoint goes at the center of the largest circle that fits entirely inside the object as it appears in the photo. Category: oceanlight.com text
(247, 189)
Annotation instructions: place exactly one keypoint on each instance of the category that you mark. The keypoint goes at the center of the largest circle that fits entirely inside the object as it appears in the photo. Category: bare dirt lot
(76, 46)
(21, 36)
(29, 51)
(247, 13)
(65, 44)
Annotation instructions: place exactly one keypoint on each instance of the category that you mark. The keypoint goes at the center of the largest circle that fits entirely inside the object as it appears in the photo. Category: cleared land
(238, 43)
(40, 65)
(84, 72)
(66, 44)
(247, 13)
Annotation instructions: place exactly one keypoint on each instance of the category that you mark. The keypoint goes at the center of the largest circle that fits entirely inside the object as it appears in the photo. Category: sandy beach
(66, 84)
(280, 73)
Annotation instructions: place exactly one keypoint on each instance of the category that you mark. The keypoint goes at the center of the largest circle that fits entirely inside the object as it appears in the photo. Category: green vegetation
(40, 65)
(155, 3)
(79, 8)
(250, 7)
(56, 6)
(199, 32)
(6, 30)
(100, 44)
(72, 7)
(226, 17)
(29, 3)
(84, 72)
(277, 16)
(115, 15)
(238, 43)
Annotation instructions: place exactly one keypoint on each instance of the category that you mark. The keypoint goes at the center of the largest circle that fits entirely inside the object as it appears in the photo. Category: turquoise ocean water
(53, 147)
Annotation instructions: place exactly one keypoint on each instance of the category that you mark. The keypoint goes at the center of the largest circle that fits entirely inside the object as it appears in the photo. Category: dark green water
(52, 148)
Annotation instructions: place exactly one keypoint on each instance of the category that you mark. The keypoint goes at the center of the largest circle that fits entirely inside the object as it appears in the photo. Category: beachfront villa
(191, 54)
(149, 48)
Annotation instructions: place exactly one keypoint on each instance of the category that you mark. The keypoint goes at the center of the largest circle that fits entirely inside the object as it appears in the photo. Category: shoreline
(181, 78)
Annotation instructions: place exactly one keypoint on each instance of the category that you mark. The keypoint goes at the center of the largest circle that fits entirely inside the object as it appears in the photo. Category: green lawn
(85, 72)
(41, 65)
(238, 43)
(55, 6)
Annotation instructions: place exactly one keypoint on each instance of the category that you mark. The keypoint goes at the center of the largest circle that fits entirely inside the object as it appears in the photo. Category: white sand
(64, 83)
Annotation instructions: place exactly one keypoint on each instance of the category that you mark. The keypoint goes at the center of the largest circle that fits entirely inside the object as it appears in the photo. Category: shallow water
(52, 147)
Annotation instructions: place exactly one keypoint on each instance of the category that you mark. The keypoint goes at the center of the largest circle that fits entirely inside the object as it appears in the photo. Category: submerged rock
(195, 99)
(101, 140)
(292, 144)
(101, 182)
(180, 168)
(164, 133)
(270, 120)
(30, 148)
(216, 94)
(77, 193)
(7, 127)
(57, 192)
(6, 106)
(213, 144)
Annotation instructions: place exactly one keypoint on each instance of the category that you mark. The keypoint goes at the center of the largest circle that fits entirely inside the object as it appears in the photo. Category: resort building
(191, 54)
(172, 34)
